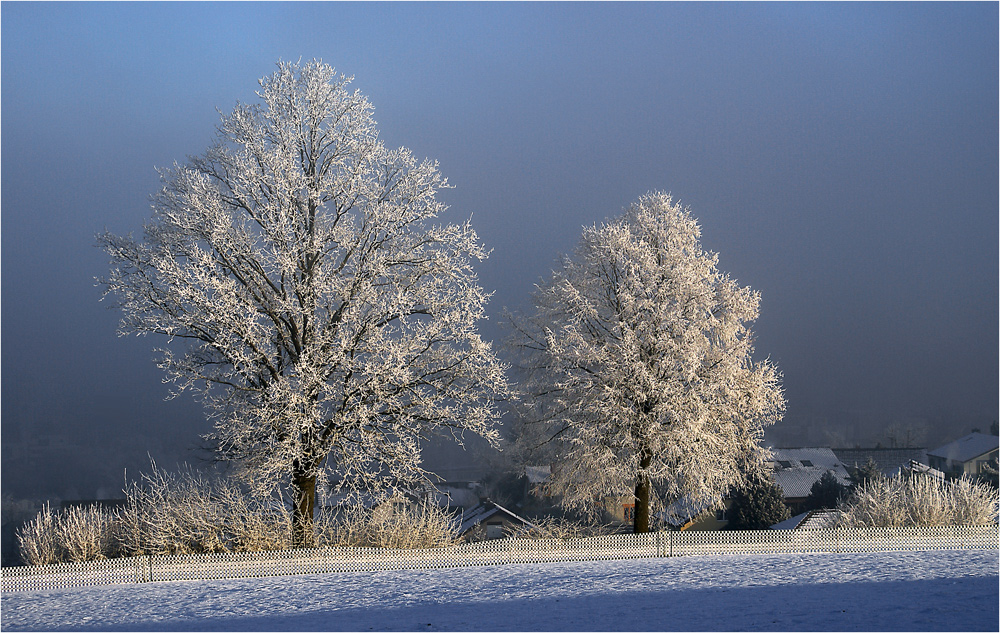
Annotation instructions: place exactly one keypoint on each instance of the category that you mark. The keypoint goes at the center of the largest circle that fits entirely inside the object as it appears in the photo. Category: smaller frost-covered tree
(640, 380)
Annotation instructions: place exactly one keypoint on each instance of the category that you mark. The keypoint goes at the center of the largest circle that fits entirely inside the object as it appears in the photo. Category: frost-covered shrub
(188, 513)
(88, 533)
(975, 502)
(562, 527)
(172, 513)
(919, 501)
(399, 526)
(38, 539)
(259, 524)
(72, 535)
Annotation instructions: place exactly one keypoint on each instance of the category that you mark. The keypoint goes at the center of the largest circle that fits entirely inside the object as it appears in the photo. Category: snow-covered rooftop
(790, 523)
(797, 469)
(888, 460)
(967, 448)
(811, 520)
(481, 512)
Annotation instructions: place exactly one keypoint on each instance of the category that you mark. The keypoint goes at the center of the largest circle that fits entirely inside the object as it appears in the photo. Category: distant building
(889, 461)
(538, 475)
(489, 521)
(812, 520)
(797, 469)
(795, 472)
(968, 455)
(684, 517)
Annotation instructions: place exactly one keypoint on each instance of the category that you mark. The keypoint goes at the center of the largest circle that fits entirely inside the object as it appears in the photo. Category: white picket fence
(499, 552)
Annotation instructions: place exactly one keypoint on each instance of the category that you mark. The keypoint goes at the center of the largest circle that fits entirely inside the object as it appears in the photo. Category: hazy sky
(841, 159)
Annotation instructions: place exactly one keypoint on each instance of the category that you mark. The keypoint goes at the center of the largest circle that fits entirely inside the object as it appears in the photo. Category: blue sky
(841, 158)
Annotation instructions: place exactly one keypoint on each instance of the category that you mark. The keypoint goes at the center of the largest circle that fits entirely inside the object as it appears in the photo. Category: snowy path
(953, 590)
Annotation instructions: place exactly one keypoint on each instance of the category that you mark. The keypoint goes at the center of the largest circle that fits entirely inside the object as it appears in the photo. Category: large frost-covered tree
(307, 291)
(640, 381)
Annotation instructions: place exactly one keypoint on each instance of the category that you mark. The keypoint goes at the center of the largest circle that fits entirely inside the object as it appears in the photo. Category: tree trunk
(643, 490)
(304, 500)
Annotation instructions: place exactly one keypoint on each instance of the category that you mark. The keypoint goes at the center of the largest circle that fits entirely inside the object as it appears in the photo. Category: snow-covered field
(910, 591)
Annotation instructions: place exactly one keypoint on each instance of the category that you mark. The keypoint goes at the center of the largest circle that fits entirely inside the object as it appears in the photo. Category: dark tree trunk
(304, 500)
(643, 491)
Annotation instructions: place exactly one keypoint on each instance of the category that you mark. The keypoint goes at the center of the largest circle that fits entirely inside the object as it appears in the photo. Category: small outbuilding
(969, 455)
(812, 520)
(490, 520)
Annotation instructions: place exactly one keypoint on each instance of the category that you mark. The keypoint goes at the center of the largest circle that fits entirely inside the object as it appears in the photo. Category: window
(720, 515)
(807, 463)
(494, 530)
(785, 464)
(628, 511)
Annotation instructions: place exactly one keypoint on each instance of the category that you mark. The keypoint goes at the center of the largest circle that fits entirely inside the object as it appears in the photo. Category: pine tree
(757, 506)
(825, 493)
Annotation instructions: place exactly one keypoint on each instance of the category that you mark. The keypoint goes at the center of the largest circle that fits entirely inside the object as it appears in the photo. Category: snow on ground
(910, 591)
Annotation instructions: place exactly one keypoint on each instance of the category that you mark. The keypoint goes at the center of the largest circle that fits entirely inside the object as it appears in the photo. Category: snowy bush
(553, 527)
(399, 526)
(170, 513)
(38, 539)
(72, 535)
(257, 523)
(919, 501)
(189, 512)
(88, 533)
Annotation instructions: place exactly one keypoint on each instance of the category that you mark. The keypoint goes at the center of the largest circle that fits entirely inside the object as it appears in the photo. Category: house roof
(483, 511)
(888, 460)
(680, 512)
(790, 523)
(797, 469)
(818, 520)
(967, 448)
(811, 520)
(916, 467)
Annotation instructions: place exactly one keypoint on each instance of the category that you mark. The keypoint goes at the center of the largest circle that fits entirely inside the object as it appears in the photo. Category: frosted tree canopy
(640, 380)
(307, 290)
